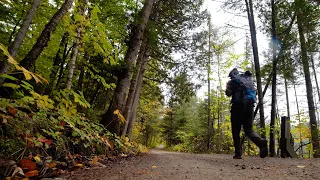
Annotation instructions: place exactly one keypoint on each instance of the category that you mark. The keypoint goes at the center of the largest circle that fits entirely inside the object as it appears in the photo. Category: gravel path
(158, 164)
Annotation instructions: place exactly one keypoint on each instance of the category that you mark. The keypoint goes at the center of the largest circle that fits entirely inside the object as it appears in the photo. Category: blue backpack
(245, 92)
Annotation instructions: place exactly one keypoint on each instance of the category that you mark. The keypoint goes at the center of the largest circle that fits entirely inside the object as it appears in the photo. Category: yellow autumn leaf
(26, 73)
(37, 158)
(95, 160)
(79, 165)
(120, 116)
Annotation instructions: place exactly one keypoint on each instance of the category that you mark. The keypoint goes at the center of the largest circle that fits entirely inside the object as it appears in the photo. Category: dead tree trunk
(44, 37)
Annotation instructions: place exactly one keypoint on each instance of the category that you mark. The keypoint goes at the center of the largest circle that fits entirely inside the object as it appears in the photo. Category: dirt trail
(160, 164)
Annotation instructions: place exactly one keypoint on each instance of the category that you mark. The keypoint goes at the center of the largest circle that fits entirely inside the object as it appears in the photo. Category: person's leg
(248, 124)
(254, 137)
(236, 127)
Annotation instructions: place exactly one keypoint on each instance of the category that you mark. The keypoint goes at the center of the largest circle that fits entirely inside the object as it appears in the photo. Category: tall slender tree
(29, 60)
(14, 47)
(249, 9)
(300, 5)
(274, 80)
(123, 83)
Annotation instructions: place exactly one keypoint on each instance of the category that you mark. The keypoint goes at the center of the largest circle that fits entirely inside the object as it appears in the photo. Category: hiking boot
(264, 148)
(237, 157)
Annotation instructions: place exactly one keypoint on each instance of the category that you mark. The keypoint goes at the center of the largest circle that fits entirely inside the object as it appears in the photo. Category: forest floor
(159, 164)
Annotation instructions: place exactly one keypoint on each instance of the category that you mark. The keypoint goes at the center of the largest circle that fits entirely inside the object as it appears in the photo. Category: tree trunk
(81, 77)
(305, 63)
(44, 37)
(137, 93)
(135, 77)
(72, 62)
(57, 61)
(287, 96)
(210, 126)
(256, 63)
(299, 119)
(123, 84)
(13, 48)
(75, 49)
(95, 94)
(274, 83)
(65, 55)
(14, 29)
(315, 75)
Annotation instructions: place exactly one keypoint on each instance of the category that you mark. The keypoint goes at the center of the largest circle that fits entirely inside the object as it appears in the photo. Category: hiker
(241, 88)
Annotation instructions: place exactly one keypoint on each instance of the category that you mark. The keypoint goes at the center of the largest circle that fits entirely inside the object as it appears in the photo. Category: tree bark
(256, 63)
(95, 94)
(287, 96)
(305, 63)
(75, 49)
(72, 62)
(210, 124)
(315, 75)
(57, 61)
(13, 48)
(137, 94)
(274, 83)
(133, 85)
(65, 55)
(81, 77)
(44, 37)
(123, 84)
(299, 119)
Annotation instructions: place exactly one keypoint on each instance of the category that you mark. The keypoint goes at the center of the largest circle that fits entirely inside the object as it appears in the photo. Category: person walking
(241, 88)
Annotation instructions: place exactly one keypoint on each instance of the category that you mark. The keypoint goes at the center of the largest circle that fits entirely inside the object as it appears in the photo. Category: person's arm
(229, 88)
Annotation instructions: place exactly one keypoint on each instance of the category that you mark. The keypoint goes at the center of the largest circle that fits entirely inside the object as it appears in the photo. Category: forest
(97, 79)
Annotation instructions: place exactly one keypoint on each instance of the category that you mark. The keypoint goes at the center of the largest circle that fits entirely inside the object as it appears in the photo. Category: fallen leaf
(52, 165)
(79, 165)
(95, 160)
(11, 110)
(32, 173)
(37, 158)
(6, 162)
(62, 123)
(28, 164)
(17, 170)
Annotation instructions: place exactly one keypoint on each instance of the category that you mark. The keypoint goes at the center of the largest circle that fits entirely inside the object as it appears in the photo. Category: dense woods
(116, 76)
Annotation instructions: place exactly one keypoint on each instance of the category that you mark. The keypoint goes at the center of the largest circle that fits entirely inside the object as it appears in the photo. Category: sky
(221, 18)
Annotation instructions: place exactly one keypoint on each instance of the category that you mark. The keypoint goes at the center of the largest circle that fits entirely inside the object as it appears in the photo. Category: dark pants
(242, 115)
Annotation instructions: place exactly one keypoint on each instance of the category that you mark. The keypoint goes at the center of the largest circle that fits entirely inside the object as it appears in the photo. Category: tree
(274, 81)
(249, 9)
(14, 47)
(301, 9)
(123, 83)
(76, 44)
(44, 38)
